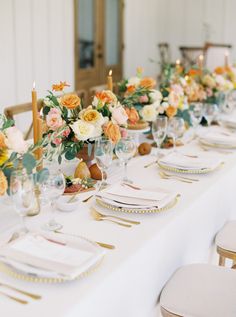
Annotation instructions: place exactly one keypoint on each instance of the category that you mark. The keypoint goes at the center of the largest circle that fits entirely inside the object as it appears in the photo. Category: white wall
(37, 38)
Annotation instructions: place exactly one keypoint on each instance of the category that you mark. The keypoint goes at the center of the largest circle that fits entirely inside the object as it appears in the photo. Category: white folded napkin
(219, 137)
(42, 254)
(124, 196)
(229, 122)
(178, 160)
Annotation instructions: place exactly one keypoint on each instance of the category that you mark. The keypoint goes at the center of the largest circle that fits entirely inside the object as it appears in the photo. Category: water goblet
(196, 114)
(176, 129)
(159, 131)
(210, 112)
(125, 150)
(103, 153)
(22, 193)
(52, 189)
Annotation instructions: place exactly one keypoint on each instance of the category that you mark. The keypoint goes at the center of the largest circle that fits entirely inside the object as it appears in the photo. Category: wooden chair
(215, 54)
(200, 290)
(164, 53)
(226, 243)
(12, 111)
(190, 55)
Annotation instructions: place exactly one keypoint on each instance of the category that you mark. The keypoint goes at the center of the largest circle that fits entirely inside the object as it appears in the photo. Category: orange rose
(220, 70)
(148, 82)
(132, 114)
(171, 111)
(130, 89)
(194, 72)
(2, 141)
(112, 131)
(3, 183)
(106, 96)
(61, 86)
(70, 101)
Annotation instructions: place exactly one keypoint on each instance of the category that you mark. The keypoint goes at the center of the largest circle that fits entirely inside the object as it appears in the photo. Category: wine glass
(196, 114)
(52, 189)
(103, 153)
(210, 112)
(125, 150)
(159, 130)
(22, 193)
(176, 128)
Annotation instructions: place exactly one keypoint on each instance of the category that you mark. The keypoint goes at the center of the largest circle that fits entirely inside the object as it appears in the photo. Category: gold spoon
(100, 218)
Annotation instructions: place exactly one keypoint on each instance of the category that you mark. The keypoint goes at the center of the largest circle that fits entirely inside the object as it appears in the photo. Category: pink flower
(54, 119)
(174, 99)
(66, 132)
(15, 140)
(123, 132)
(177, 89)
(209, 92)
(119, 115)
(57, 141)
(143, 99)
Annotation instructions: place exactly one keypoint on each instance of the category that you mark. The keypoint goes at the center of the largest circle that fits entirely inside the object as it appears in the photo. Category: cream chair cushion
(201, 290)
(226, 237)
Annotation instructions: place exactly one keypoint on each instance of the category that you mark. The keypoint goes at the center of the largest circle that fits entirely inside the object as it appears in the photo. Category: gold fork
(176, 178)
(33, 296)
(19, 300)
(115, 217)
(100, 218)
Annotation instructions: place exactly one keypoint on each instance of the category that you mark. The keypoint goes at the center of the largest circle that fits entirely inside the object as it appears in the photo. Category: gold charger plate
(14, 273)
(171, 204)
(186, 171)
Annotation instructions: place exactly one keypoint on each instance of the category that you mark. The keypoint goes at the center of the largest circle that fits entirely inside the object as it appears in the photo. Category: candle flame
(201, 57)
(186, 78)
(177, 62)
(34, 85)
(110, 72)
(226, 53)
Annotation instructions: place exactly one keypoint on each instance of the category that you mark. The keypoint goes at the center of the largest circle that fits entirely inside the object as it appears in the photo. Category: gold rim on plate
(186, 171)
(139, 211)
(10, 271)
(217, 145)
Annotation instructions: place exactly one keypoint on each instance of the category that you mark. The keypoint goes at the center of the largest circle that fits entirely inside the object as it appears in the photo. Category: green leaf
(59, 159)
(46, 110)
(69, 155)
(90, 147)
(29, 162)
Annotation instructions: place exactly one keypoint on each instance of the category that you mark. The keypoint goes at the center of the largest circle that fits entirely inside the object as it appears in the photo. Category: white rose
(155, 95)
(165, 105)
(148, 113)
(209, 81)
(15, 140)
(133, 81)
(83, 130)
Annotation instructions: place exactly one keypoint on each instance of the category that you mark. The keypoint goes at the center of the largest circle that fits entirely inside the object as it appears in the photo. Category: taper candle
(200, 62)
(109, 81)
(226, 59)
(35, 113)
(39, 152)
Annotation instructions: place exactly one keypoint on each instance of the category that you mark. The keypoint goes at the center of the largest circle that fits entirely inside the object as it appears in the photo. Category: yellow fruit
(82, 171)
(144, 148)
(96, 172)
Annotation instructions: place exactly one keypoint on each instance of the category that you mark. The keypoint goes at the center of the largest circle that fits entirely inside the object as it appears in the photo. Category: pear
(82, 171)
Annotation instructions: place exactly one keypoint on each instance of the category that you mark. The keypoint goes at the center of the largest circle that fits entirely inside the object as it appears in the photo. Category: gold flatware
(115, 217)
(181, 177)
(131, 186)
(150, 164)
(100, 218)
(102, 244)
(176, 178)
(19, 300)
(33, 296)
(87, 199)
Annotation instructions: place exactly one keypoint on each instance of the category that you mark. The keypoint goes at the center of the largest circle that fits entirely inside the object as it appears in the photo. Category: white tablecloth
(130, 278)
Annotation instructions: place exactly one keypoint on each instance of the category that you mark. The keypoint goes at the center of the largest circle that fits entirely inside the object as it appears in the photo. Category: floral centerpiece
(69, 127)
(140, 98)
(15, 153)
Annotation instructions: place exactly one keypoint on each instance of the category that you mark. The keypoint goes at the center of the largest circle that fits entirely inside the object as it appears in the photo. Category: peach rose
(2, 141)
(132, 114)
(70, 101)
(112, 131)
(3, 183)
(119, 115)
(106, 96)
(148, 82)
(60, 86)
(171, 111)
(54, 119)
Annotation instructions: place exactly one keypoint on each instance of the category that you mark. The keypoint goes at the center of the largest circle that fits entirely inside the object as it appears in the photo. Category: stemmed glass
(22, 193)
(196, 114)
(210, 112)
(159, 131)
(176, 128)
(103, 154)
(125, 150)
(52, 189)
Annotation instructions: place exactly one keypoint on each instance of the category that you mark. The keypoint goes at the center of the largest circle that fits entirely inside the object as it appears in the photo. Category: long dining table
(128, 281)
